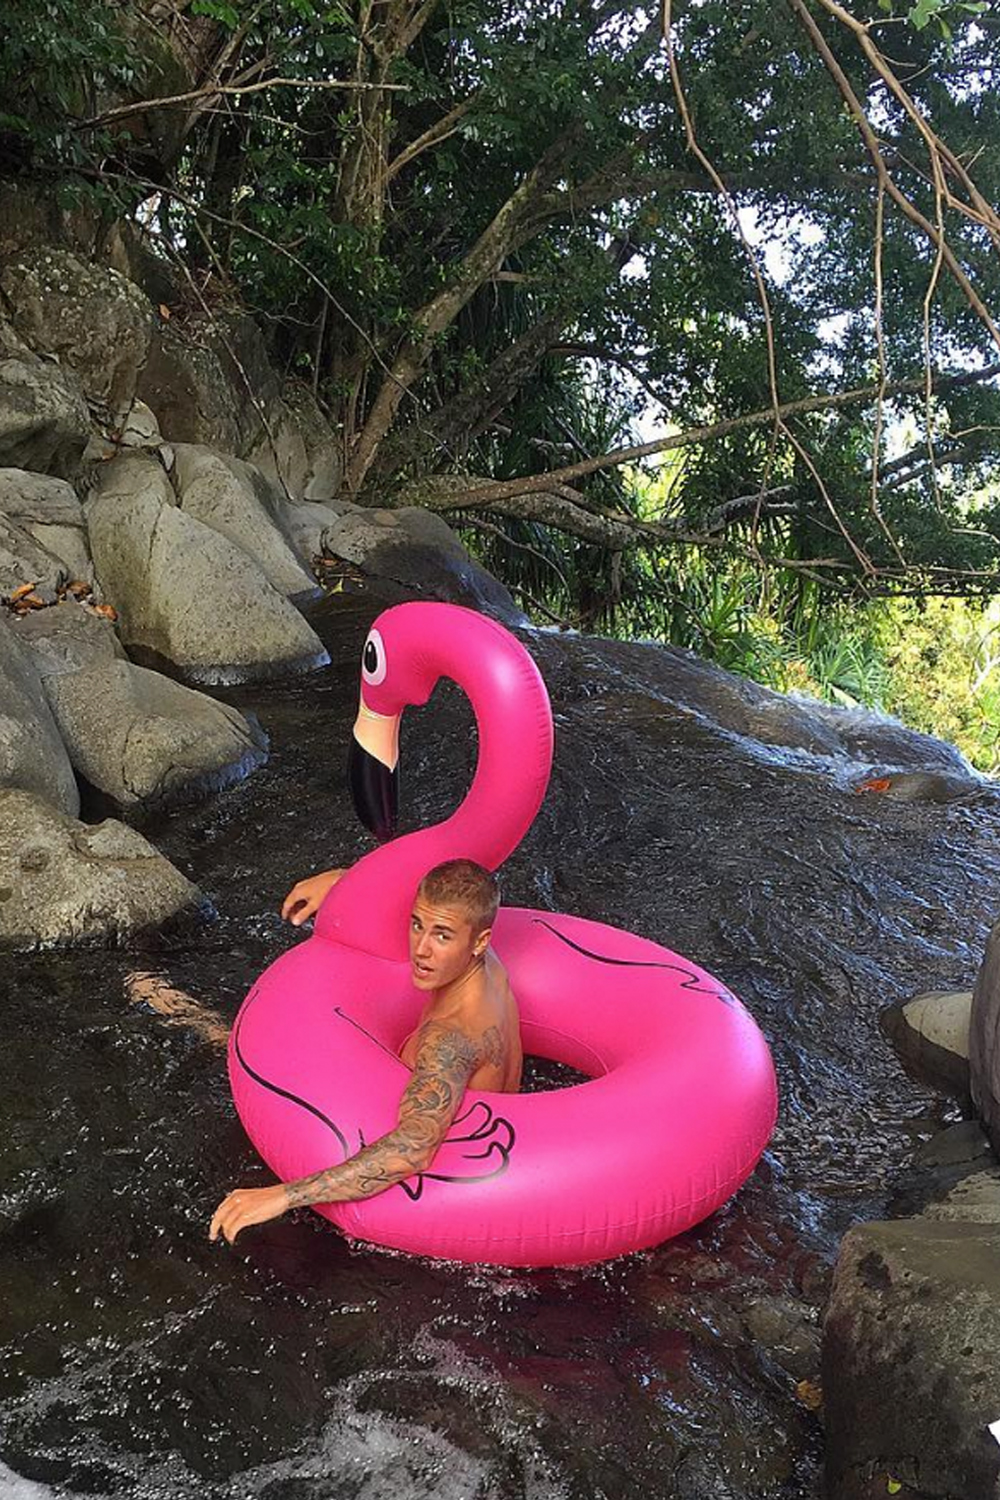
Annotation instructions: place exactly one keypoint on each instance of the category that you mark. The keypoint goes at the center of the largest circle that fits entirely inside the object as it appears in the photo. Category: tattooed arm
(446, 1059)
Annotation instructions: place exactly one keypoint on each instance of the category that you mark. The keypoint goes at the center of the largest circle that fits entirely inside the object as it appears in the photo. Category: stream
(138, 1360)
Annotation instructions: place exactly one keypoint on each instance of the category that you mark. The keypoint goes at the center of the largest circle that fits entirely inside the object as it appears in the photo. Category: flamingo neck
(370, 907)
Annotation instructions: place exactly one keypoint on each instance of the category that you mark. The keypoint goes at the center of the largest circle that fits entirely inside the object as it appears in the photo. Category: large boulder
(32, 755)
(214, 385)
(984, 1039)
(93, 319)
(49, 511)
(235, 500)
(185, 595)
(911, 1354)
(44, 420)
(135, 735)
(418, 549)
(63, 882)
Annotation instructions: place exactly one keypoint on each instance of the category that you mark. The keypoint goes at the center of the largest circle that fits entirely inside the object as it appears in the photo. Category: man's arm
(446, 1060)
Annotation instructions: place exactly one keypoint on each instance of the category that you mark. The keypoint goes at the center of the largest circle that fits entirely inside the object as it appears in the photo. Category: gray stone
(236, 501)
(308, 521)
(216, 388)
(930, 1033)
(911, 1360)
(32, 755)
(24, 560)
(49, 511)
(187, 596)
(96, 321)
(975, 1199)
(418, 549)
(140, 428)
(140, 738)
(44, 421)
(305, 455)
(984, 1039)
(62, 882)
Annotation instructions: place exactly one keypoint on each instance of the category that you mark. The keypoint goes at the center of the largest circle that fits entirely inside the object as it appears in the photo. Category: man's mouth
(422, 969)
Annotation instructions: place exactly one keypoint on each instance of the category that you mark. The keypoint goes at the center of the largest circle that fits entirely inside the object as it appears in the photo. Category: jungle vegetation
(686, 313)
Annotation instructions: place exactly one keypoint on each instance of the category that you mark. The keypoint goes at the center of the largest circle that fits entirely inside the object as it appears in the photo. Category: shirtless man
(468, 1036)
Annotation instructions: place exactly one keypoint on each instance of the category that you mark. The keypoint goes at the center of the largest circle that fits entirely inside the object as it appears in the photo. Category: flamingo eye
(373, 662)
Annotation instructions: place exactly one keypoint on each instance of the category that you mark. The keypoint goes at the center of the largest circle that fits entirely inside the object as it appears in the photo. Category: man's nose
(423, 944)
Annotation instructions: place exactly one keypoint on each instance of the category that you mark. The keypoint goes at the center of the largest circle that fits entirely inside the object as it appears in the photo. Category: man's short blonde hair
(461, 882)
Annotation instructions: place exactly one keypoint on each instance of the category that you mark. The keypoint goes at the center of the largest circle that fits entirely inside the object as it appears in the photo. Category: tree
(465, 221)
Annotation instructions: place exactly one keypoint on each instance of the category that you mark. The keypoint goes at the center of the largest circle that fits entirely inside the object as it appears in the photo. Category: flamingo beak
(373, 771)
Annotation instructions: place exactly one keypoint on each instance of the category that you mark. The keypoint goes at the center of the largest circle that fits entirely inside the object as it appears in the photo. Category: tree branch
(509, 488)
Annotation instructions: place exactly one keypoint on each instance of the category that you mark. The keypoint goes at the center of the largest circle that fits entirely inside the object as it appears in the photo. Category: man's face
(443, 945)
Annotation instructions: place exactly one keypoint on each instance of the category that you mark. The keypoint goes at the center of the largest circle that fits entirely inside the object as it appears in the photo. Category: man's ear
(482, 941)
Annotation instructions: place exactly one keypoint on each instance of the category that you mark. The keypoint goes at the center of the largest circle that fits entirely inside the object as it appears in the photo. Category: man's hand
(247, 1206)
(305, 898)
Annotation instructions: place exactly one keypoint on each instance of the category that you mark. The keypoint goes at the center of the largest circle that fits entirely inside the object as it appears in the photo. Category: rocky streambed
(135, 1359)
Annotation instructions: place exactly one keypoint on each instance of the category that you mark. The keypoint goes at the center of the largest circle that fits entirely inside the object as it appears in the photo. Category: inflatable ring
(681, 1097)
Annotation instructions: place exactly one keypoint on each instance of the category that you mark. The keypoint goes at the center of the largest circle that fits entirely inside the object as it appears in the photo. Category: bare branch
(507, 488)
(211, 90)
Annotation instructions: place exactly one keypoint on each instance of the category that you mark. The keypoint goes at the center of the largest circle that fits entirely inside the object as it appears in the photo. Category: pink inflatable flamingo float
(681, 1097)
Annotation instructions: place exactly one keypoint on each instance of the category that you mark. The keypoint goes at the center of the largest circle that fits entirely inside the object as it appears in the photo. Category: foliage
(480, 232)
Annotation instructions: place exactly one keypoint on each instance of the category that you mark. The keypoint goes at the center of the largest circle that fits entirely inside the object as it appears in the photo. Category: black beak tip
(375, 791)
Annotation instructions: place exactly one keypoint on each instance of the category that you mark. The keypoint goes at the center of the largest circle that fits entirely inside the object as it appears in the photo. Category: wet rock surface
(134, 735)
(136, 1359)
(62, 881)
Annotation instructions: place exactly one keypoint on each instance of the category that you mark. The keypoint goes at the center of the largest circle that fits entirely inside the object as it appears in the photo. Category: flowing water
(138, 1360)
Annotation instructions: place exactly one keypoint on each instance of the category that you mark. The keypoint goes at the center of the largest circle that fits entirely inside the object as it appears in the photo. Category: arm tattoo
(446, 1060)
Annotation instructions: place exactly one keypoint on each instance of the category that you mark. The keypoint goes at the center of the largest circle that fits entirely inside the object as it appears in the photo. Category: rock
(984, 1039)
(930, 1033)
(308, 521)
(25, 560)
(911, 1360)
(187, 596)
(93, 319)
(216, 387)
(62, 882)
(140, 738)
(305, 456)
(32, 755)
(417, 548)
(922, 786)
(975, 1199)
(788, 1330)
(51, 514)
(140, 428)
(236, 501)
(220, 390)
(44, 421)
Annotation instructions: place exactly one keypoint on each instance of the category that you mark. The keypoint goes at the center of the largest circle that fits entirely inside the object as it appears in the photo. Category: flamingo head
(397, 670)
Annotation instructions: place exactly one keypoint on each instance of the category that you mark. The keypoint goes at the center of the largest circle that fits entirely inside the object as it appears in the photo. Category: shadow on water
(138, 1360)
